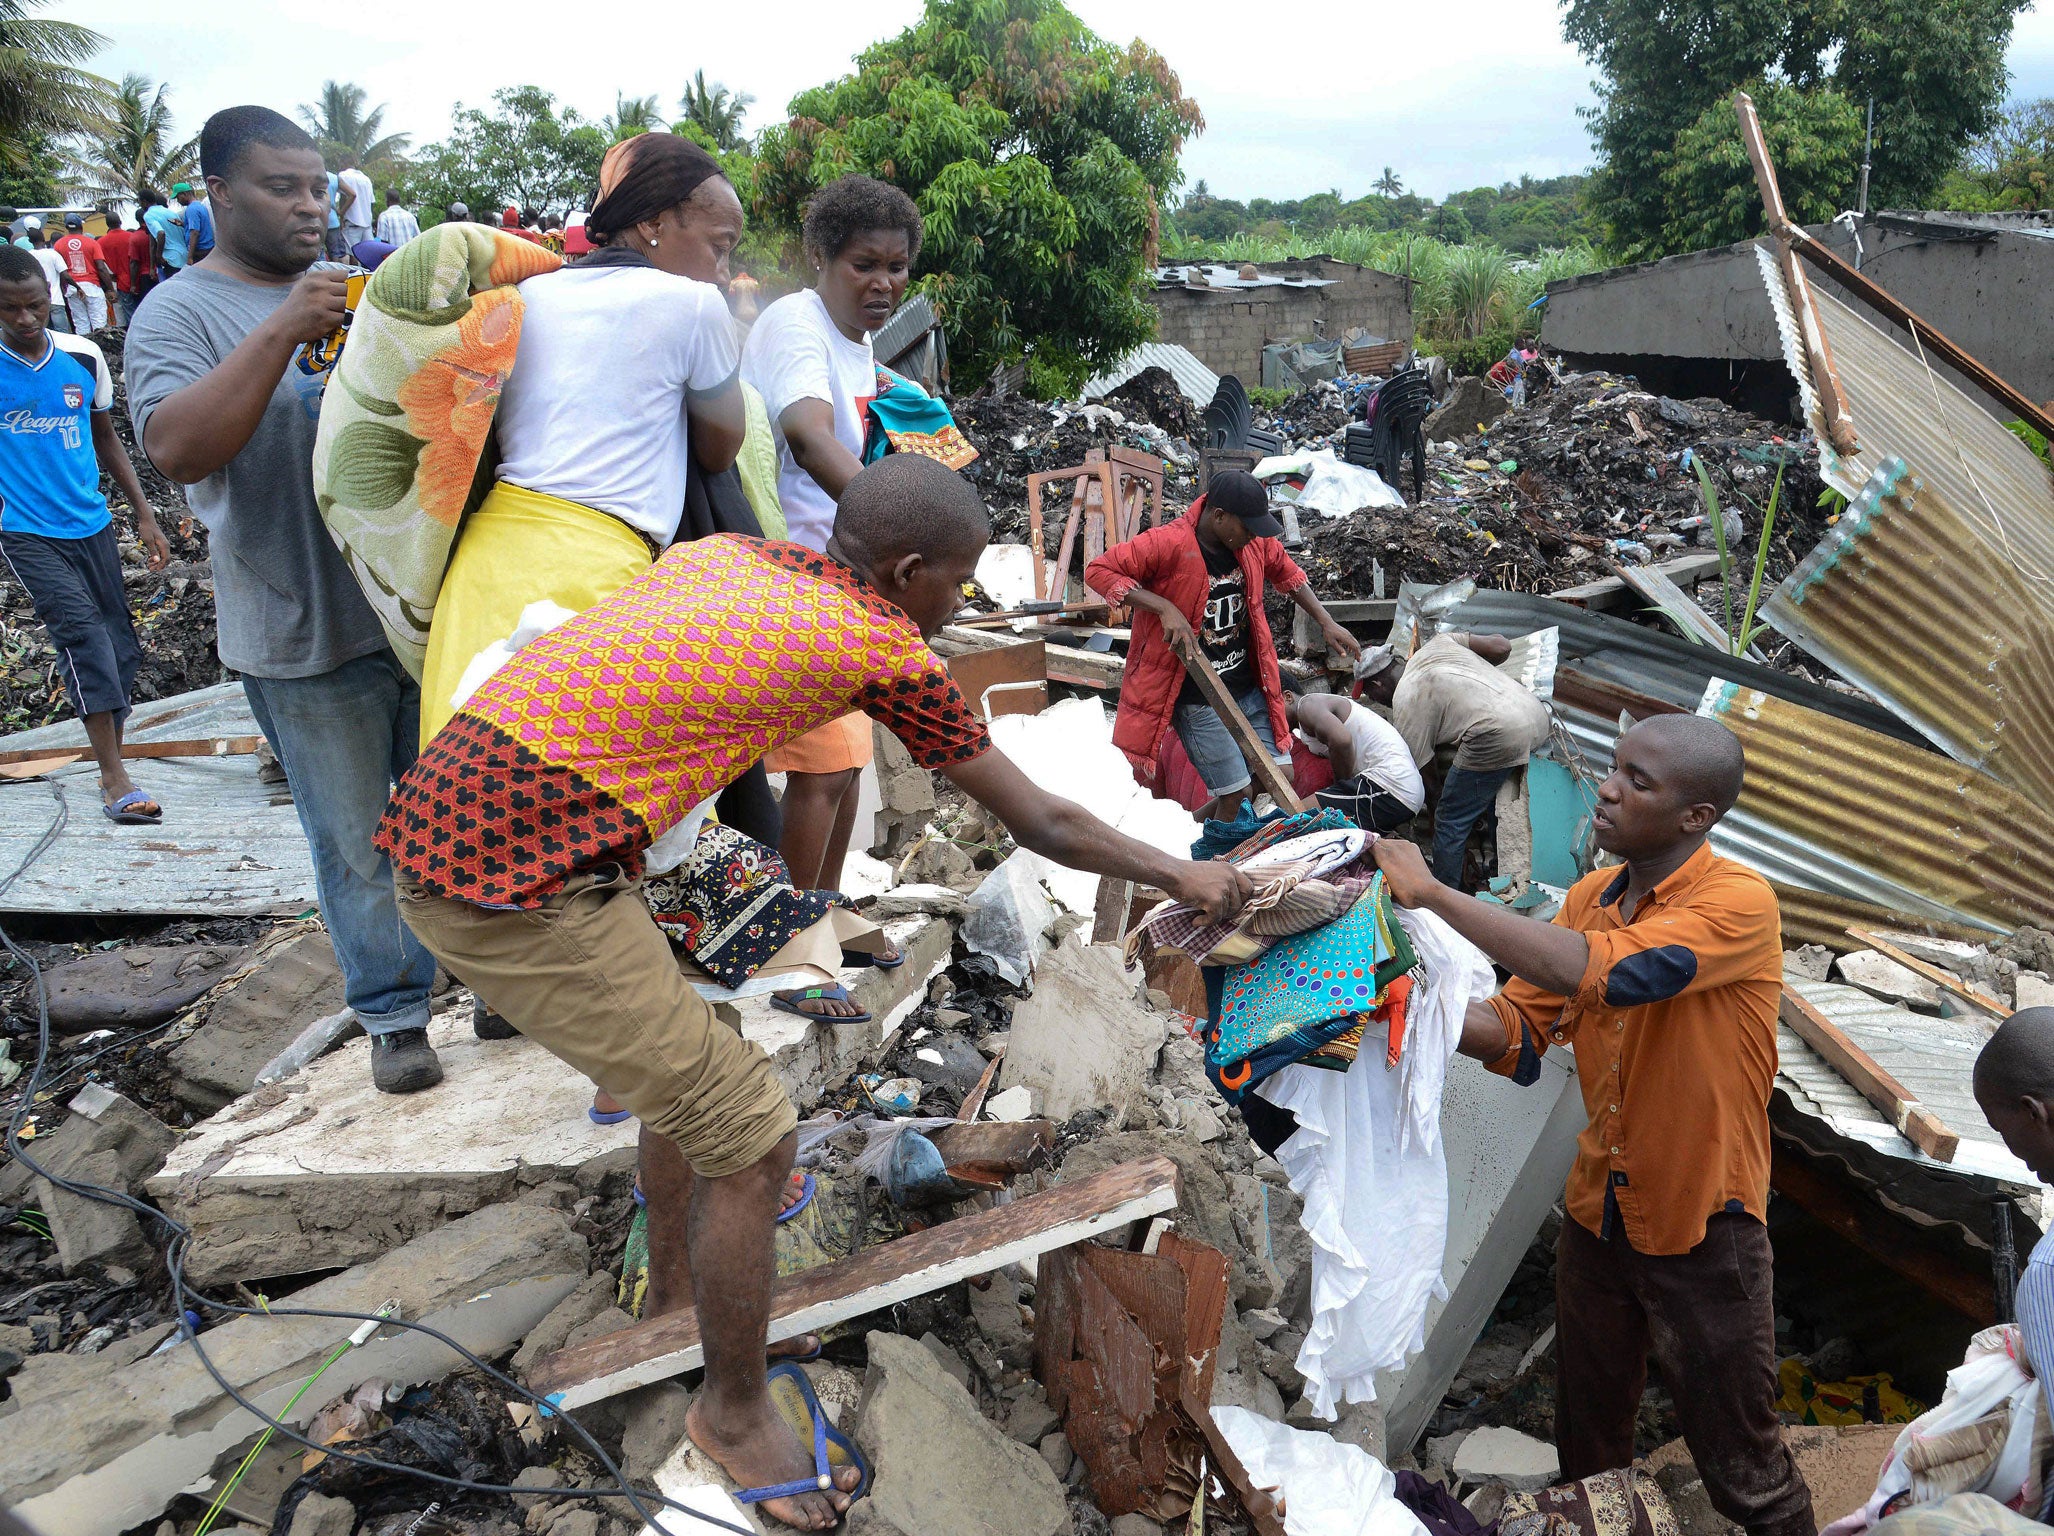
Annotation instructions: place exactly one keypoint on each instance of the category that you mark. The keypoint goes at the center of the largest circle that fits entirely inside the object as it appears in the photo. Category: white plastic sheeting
(1332, 485)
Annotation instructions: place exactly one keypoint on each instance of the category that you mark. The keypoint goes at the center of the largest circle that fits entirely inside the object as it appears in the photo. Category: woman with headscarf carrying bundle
(809, 355)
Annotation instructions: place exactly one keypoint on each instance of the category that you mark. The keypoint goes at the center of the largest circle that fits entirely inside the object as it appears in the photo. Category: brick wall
(1227, 328)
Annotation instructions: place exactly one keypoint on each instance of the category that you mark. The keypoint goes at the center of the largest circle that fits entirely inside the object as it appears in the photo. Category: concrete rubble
(1069, 1390)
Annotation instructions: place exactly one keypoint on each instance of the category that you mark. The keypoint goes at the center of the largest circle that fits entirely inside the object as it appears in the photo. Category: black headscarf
(642, 176)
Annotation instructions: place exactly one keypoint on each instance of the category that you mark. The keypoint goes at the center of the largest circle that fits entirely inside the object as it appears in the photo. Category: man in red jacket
(1198, 586)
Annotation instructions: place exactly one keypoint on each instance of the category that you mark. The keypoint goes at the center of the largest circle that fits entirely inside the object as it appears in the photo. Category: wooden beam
(869, 1281)
(1939, 976)
(1267, 772)
(206, 746)
(1818, 350)
(1920, 1126)
(1891, 1242)
(1608, 594)
(1066, 663)
(1970, 367)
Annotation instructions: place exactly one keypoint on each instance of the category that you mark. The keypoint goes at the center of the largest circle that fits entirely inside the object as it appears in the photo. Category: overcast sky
(1290, 109)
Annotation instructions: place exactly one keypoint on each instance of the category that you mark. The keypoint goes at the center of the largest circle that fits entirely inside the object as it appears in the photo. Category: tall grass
(1458, 291)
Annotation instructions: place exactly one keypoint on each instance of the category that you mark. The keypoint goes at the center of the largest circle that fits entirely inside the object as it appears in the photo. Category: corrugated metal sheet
(1786, 857)
(1819, 917)
(1904, 408)
(909, 323)
(1195, 382)
(1907, 599)
(1933, 1058)
(228, 845)
(1916, 819)
(1217, 276)
(1649, 661)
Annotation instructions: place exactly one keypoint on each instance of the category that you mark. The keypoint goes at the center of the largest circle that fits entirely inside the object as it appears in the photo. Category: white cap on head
(1373, 660)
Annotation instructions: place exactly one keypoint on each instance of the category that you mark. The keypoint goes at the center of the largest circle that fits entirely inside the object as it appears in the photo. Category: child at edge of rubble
(517, 841)
(55, 528)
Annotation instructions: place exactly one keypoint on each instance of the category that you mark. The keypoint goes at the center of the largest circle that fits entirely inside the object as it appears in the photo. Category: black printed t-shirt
(1223, 632)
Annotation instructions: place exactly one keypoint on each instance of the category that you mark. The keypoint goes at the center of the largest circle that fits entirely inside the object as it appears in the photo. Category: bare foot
(605, 1103)
(763, 1452)
(821, 1007)
(800, 1346)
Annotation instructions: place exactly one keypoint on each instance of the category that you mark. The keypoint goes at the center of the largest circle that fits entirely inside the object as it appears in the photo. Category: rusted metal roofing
(1923, 822)
(1907, 406)
(1908, 599)
(1934, 1058)
(1195, 382)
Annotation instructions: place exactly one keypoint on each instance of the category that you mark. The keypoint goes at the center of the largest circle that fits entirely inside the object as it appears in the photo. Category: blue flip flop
(864, 957)
(806, 1192)
(791, 1394)
(600, 1117)
(835, 993)
(121, 812)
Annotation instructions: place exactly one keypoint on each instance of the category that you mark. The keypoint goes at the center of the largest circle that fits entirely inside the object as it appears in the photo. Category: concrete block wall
(1227, 328)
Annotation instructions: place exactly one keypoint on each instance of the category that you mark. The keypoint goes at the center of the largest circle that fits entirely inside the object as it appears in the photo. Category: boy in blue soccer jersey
(55, 530)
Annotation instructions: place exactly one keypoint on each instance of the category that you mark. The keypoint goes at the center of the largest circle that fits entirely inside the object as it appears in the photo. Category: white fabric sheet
(1367, 1160)
(1328, 1488)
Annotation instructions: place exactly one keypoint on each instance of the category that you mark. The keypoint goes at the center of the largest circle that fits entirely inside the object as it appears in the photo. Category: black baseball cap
(1241, 496)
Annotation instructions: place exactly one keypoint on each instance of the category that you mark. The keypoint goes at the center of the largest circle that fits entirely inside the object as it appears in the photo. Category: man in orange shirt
(1665, 977)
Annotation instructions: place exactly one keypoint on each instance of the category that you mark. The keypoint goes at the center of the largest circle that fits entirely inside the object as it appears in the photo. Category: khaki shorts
(590, 977)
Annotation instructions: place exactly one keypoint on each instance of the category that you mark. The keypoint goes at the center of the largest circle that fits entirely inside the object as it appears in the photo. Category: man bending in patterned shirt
(517, 842)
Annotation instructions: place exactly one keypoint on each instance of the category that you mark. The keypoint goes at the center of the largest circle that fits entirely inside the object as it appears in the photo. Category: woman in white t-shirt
(809, 355)
(626, 376)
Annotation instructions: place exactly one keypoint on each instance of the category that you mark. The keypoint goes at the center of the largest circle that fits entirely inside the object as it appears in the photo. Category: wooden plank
(208, 746)
(1818, 350)
(1920, 1126)
(1268, 773)
(1938, 975)
(1890, 1241)
(1674, 604)
(1066, 663)
(871, 1280)
(1609, 594)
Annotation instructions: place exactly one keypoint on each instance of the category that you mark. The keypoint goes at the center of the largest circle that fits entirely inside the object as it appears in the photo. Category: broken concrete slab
(1278, 1248)
(1877, 973)
(594, 1295)
(1496, 1453)
(810, 1055)
(134, 988)
(1808, 962)
(112, 1452)
(906, 793)
(1471, 405)
(319, 1514)
(89, 1231)
(939, 1467)
(253, 1021)
(1084, 1040)
(2032, 990)
(323, 1170)
(101, 1120)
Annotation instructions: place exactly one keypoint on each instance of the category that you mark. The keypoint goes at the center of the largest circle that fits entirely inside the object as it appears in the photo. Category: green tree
(630, 115)
(45, 94)
(33, 182)
(2010, 167)
(341, 126)
(1389, 184)
(137, 149)
(716, 111)
(1934, 68)
(1814, 140)
(1040, 155)
(526, 151)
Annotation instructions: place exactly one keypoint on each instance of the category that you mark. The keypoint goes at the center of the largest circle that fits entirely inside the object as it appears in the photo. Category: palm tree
(343, 127)
(630, 115)
(135, 150)
(1389, 183)
(716, 109)
(44, 94)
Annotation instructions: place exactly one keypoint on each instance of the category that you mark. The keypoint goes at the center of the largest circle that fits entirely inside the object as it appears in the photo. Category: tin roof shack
(1226, 317)
(1700, 324)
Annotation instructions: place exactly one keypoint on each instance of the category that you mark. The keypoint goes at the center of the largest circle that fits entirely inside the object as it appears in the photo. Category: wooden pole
(1818, 351)
(1276, 780)
(1921, 1127)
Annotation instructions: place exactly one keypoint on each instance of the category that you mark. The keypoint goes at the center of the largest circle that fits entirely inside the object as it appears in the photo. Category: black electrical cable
(184, 1293)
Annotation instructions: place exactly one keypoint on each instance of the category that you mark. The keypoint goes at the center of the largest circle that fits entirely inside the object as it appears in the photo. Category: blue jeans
(1212, 748)
(1465, 800)
(342, 738)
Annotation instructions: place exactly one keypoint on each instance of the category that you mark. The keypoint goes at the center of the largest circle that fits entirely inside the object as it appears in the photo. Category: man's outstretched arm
(1064, 831)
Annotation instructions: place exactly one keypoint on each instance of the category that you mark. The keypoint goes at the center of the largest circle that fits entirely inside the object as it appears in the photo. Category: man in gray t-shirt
(226, 395)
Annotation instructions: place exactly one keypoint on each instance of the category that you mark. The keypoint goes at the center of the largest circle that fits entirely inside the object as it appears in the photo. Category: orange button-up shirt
(1674, 1030)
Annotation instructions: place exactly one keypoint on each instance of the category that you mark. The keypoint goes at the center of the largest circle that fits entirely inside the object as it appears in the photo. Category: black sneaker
(487, 1025)
(404, 1062)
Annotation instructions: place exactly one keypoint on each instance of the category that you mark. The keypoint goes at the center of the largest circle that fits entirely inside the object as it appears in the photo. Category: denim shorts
(1212, 748)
